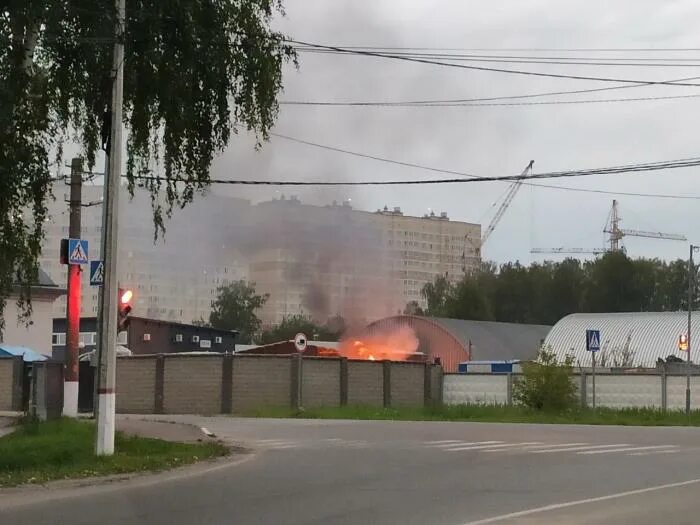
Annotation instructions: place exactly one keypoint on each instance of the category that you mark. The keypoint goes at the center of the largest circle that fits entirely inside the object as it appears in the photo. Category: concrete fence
(179, 384)
(666, 392)
(11, 373)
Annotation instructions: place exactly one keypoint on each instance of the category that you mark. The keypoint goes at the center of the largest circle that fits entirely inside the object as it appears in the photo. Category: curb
(25, 495)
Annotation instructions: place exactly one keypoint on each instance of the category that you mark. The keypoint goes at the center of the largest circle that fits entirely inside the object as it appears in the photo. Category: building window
(58, 339)
(122, 338)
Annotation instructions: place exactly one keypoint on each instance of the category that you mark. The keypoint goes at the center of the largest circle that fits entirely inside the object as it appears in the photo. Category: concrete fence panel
(487, 389)
(320, 384)
(192, 384)
(136, 385)
(365, 383)
(622, 391)
(260, 381)
(407, 384)
(11, 383)
(676, 392)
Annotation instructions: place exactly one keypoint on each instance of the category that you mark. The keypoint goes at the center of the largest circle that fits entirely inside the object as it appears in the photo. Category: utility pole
(691, 281)
(70, 381)
(106, 393)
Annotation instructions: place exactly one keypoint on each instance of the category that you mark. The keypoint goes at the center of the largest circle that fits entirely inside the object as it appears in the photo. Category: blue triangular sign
(595, 343)
(78, 254)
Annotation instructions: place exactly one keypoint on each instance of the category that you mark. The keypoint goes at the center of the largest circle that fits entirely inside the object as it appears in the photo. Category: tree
(546, 383)
(234, 309)
(294, 324)
(413, 308)
(436, 295)
(193, 71)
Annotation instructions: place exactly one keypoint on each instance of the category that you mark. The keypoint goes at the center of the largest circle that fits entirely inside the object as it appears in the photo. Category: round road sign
(300, 342)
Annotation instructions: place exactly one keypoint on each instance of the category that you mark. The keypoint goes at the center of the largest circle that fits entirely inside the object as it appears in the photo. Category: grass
(62, 449)
(492, 414)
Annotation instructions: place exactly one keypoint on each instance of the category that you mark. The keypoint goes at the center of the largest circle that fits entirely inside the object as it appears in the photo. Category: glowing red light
(126, 296)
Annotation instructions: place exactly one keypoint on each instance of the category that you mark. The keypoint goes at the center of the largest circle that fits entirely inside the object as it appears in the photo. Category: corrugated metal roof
(650, 334)
(492, 340)
(27, 354)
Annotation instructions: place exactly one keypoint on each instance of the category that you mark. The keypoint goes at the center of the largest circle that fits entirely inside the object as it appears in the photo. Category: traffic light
(124, 308)
(683, 343)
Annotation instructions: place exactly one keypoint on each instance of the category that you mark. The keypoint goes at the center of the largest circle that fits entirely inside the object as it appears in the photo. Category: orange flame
(396, 345)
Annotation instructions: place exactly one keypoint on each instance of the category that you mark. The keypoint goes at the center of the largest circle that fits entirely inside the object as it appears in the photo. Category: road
(382, 472)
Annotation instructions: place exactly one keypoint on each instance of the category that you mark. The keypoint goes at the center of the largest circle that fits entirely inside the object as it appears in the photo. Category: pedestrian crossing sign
(593, 340)
(97, 270)
(77, 251)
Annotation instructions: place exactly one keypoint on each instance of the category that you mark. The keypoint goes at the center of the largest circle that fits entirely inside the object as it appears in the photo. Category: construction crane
(612, 227)
(595, 251)
(510, 195)
(616, 234)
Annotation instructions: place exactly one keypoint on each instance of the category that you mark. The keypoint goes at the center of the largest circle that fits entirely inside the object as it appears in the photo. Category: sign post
(300, 341)
(593, 346)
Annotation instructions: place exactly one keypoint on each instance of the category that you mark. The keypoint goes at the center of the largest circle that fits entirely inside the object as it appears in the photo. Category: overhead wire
(487, 69)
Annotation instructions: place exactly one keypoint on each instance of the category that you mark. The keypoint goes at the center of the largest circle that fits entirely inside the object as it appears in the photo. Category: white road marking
(669, 451)
(450, 446)
(576, 449)
(627, 449)
(539, 447)
(556, 506)
(493, 447)
(441, 442)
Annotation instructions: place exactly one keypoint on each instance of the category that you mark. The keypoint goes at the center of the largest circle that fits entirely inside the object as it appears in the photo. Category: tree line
(543, 293)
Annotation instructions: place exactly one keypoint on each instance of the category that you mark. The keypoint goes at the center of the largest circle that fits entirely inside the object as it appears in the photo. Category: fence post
(582, 390)
(664, 390)
(295, 381)
(427, 385)
(343, 381)
(227, 384)
(159, 399)
(509, 389)
(18, 379)
(386, 375)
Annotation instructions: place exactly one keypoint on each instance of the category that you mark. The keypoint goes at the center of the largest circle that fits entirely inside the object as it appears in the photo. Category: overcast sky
(490, 141)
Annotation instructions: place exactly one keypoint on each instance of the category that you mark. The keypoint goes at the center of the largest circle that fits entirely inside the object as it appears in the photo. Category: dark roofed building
(458, 340)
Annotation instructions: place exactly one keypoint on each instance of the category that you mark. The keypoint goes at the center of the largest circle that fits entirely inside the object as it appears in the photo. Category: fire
(395, 345)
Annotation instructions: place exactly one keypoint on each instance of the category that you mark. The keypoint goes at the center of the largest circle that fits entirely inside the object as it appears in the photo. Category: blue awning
(28, 355)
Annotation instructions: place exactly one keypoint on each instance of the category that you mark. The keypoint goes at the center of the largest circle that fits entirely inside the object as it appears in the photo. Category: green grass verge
(62, 449)
(492, 414)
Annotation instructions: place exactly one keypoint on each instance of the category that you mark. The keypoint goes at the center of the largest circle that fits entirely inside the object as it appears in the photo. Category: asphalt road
(380, 472)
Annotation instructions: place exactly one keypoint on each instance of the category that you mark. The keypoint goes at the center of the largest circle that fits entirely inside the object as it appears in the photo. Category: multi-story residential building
(319, 261)
(333, 260)
(174, 278)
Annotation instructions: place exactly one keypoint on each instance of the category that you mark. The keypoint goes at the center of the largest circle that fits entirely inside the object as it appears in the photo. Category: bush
(546, 383)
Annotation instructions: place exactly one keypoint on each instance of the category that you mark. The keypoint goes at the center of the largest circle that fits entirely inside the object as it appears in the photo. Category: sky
(491, 140)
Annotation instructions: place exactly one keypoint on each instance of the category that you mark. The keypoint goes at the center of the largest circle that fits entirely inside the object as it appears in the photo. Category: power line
(634, 168)
(487, 99)
(437, 104)
(488, 69)
(557, 61)
(533, 49)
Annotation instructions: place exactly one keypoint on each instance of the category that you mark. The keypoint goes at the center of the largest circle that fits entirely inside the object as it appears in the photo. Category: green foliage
(294, 324)
(235, 307)
(38, 452)
(413, 308)
(193, 71)
(492, 414)
(543, 293)
(546, 383)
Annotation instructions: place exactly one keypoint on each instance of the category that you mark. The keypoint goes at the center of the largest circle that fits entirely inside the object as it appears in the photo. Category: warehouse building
(634, 339)
(454, 341)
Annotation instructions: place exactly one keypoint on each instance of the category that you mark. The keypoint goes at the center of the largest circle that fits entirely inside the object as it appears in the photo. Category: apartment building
(318, 261)
(174, 278)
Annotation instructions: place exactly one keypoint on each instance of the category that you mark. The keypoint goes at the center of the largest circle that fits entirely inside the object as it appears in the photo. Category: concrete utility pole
(70, 384)
(108, 324)
(691, 281)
